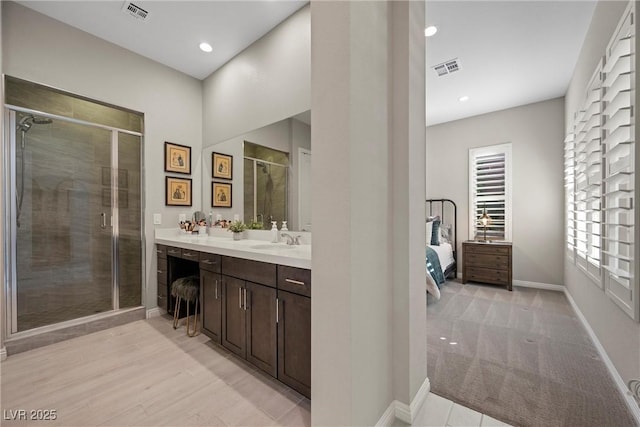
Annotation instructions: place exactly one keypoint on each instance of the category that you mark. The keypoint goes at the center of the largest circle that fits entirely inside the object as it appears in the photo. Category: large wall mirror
(270, 175)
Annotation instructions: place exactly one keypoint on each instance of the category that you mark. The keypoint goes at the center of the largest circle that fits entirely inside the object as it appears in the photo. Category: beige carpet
(522, 357)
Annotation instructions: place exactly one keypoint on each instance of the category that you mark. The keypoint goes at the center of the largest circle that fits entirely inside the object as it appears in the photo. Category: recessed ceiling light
(205, 47)
(431, 30)
(463, 98)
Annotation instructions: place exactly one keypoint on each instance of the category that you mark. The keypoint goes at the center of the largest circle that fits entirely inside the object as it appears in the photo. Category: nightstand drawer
(487, 260)
(488, 275)
(486, 249)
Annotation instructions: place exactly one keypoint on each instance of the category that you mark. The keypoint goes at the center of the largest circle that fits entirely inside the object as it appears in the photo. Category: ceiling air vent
(447, 67)
(135, 11)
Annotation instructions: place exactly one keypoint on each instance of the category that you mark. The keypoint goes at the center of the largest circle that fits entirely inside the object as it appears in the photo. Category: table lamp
(485, 220)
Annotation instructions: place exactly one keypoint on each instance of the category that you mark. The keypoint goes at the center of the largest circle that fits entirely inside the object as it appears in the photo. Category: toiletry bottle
(284, 226)
(274, 232)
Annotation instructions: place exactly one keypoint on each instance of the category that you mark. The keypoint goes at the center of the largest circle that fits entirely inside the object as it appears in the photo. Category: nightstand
(487, 263)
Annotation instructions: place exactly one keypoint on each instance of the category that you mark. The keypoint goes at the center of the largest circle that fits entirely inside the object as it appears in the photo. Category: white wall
(618, 333)
(267, 82)
(536, 132)
(368, 297)
(46, 51)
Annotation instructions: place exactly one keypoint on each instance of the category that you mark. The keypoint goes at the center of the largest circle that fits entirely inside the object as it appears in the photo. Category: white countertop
(253, 249)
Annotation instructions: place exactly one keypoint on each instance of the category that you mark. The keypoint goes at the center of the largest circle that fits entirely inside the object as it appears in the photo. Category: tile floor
(440, 412)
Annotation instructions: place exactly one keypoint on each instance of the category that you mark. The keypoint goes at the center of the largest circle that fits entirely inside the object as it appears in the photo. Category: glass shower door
(63, 221)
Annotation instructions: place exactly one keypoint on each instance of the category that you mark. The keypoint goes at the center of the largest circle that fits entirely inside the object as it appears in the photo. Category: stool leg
(176, 313)
(195, 327)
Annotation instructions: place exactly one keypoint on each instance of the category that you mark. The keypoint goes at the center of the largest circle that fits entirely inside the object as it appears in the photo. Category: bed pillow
(429, 232)
(445, 234)
(435, 232)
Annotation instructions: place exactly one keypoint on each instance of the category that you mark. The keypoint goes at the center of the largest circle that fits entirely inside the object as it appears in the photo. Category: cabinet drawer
(210, 262)
(162, 270)
(295, 280)
(487, 275)
(191, 255)
(161, 251)
(253, 271)
(500, 262)
(486, 249)
(172, 251)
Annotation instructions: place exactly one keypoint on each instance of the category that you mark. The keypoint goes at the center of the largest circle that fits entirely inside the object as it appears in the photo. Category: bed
(441, 248)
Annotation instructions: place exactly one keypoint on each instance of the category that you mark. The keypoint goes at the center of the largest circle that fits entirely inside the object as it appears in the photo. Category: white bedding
(445, 254)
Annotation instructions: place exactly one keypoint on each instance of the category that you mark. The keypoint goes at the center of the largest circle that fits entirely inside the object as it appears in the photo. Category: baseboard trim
(622, 386)
(402, 411)
(387, 419)
(154, 312)
(538, 285)
(3, 353)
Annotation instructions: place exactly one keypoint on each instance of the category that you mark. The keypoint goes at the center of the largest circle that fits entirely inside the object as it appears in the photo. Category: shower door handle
(103, 223)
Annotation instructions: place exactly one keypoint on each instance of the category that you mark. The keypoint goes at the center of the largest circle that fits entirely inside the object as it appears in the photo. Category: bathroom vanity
(255, 298)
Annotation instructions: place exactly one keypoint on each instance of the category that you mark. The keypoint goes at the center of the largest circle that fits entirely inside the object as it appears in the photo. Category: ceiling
(174, 29)
(510, 52)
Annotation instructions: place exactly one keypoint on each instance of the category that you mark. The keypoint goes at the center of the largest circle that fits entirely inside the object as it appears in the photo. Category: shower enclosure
(265, 185)
(74, 194)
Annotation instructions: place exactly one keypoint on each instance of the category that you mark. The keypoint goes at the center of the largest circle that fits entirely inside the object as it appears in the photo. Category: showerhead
(27, 121)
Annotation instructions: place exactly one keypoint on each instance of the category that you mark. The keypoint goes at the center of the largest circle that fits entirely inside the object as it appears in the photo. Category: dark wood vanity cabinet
(211, 296)
(259, 311)
(249, 311)
(294, 328)
(161, 250)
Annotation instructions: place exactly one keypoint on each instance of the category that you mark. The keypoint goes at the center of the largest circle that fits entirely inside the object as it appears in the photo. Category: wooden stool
(188, 289)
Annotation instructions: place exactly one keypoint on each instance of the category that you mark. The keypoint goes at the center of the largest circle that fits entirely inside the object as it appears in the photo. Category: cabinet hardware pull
(245, 299)
(158, 251)
(206, 261)
(295, 282)
(159, 271)
(172, 251)
(277, 310)
(188, 254)
(240, 297)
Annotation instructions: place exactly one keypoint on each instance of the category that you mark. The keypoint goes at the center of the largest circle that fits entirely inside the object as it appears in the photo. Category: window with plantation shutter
(490, 191)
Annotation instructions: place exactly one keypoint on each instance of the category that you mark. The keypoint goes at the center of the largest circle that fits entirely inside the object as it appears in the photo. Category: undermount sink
(273, 246)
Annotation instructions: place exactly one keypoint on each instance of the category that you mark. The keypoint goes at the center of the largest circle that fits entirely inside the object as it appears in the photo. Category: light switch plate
(182, 217)
(157, 219)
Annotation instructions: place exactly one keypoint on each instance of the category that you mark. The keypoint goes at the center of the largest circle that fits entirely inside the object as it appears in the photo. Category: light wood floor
(144, 374)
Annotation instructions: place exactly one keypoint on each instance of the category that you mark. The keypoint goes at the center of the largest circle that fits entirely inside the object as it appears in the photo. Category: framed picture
(221, 195)
(222, 165)
(177, 158)
(177, 191)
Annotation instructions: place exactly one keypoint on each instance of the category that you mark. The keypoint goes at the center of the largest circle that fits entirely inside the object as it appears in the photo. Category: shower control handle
(103, 224)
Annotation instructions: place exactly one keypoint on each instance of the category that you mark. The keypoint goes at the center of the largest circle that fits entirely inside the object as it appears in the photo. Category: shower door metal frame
(10, 226)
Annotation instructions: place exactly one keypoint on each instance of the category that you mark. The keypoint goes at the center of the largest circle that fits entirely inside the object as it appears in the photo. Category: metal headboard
(443, 207)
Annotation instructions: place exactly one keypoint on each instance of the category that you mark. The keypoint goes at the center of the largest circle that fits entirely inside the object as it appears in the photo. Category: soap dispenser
(274, 232)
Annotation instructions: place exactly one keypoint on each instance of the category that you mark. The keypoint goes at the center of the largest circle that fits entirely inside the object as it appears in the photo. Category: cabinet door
(234, 331)
(211, 302)
(294, 341)
(261, 327)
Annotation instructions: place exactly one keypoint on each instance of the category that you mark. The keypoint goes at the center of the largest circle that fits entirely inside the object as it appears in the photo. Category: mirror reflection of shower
(266, 185)
(24, 125)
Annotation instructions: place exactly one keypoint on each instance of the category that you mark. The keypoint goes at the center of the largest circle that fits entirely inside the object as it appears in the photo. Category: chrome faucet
(291, 240)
